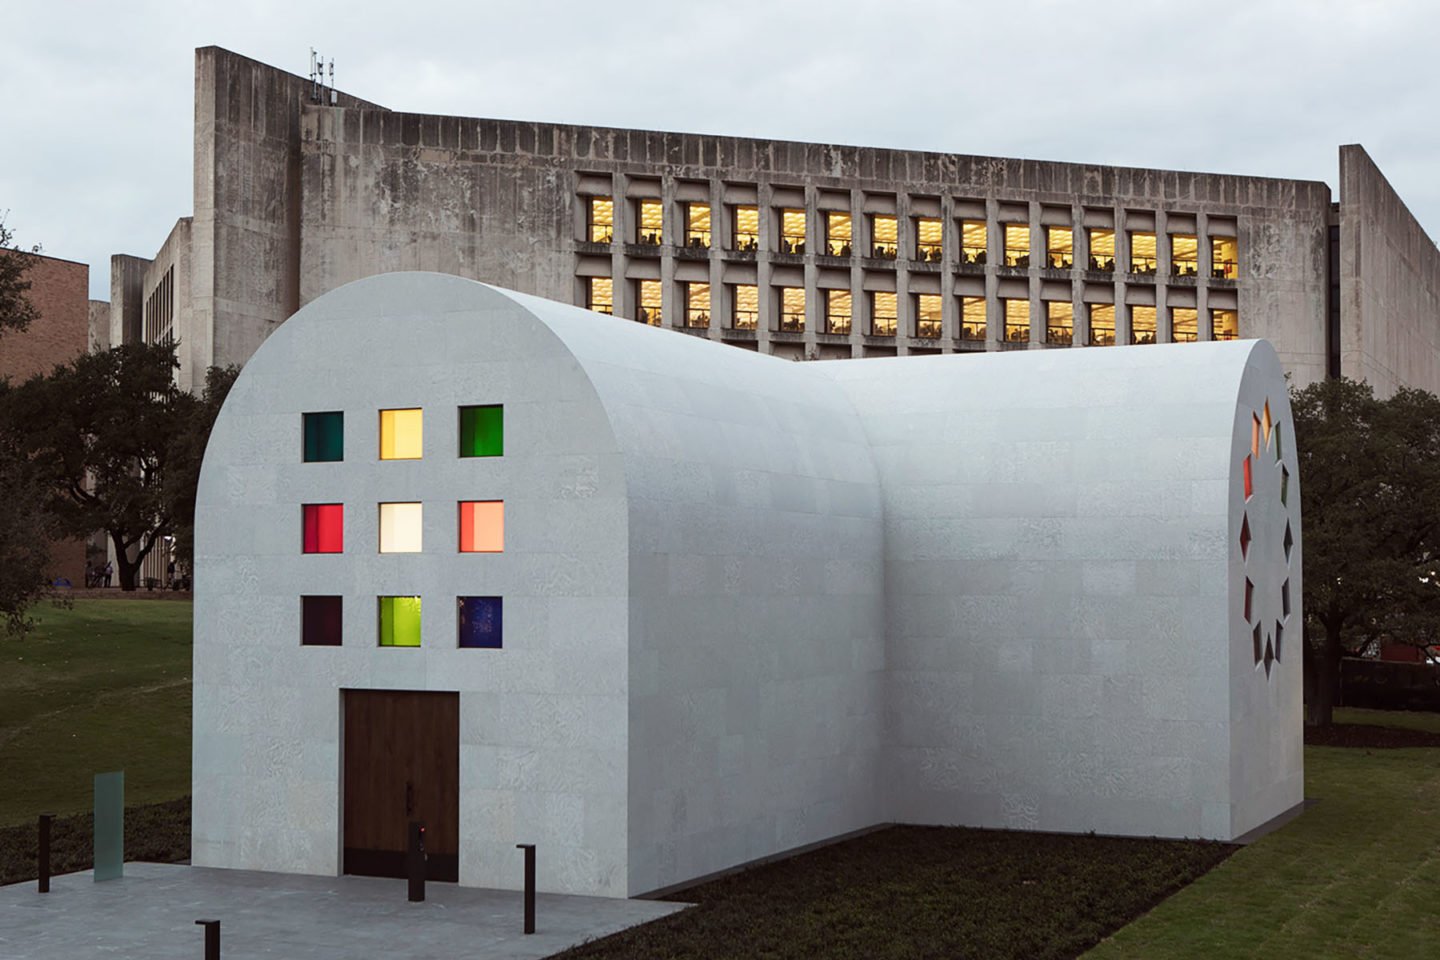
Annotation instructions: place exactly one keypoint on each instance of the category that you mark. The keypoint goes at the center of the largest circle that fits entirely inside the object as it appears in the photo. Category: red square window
(324, 527)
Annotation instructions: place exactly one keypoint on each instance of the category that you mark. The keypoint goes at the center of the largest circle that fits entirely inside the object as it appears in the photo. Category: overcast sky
(96, 98)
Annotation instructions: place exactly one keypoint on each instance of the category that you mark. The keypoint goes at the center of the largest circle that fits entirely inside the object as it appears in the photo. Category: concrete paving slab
(151, 913)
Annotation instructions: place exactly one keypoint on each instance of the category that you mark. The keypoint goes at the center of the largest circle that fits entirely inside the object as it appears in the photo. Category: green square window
(482, 431)
(324, 437)
(399, 621)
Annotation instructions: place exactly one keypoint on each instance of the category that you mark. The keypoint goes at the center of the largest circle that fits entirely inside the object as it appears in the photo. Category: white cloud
(97, 114)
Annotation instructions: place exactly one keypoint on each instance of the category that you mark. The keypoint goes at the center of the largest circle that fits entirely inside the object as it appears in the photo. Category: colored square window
(324, 525)
(399, 621)
(401, 434)
(324, 437)
(480, 622)
(482, 526)
(400, 525)
(320, 621)
(482, 431)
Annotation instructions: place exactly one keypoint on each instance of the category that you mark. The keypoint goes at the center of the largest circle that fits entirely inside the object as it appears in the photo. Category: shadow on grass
(924, 892)
(155, 832)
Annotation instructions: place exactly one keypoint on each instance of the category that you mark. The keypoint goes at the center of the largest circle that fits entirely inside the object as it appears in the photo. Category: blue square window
(480, 622)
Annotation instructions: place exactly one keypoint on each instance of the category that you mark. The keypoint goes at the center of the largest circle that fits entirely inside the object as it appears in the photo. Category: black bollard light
(44, 865)
(415, 862)
(212, 938)
(529, 849)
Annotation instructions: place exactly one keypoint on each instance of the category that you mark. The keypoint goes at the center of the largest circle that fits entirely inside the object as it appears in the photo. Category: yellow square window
(401, 434)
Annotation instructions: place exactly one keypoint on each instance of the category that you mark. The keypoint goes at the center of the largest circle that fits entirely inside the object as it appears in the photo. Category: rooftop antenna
(333, 97)
(316, 76)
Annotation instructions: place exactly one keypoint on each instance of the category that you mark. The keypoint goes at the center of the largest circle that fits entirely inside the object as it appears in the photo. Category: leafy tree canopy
(1370, 500)
(16, 310)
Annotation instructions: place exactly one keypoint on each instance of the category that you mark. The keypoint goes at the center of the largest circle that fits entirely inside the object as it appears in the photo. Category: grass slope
(104, 685)
(1354, 877)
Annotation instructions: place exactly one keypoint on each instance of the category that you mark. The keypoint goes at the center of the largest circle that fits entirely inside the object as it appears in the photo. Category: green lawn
(1355, 876)
(104, 685)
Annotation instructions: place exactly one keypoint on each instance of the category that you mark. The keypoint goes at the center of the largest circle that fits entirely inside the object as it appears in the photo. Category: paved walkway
(151, 914)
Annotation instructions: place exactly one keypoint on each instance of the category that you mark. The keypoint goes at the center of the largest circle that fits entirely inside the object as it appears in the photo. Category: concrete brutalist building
(801, 250)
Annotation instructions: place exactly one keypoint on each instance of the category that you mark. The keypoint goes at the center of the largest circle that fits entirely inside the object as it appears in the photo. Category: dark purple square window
(320, 621)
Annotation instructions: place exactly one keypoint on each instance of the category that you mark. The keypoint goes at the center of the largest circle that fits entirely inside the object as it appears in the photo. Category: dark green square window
(324, 437)
(482, 431)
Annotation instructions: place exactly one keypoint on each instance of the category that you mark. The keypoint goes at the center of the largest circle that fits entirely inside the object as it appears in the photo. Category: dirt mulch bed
(1369, 737)
(155, 832)
(908, 892)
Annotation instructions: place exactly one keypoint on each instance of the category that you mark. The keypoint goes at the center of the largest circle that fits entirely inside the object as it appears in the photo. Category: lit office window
(839, 309)
(1017, 245)
(647, 295)
(927, 315)
(649, 228)
(600, 295)
(972, 241)
(400, 527)
(839, 234)
(1102, 249)
(1184, 324)
(1142, 252)
(697, 304)
(1224, 258)
(600, 220)
(884, 236)
(929, 239)
(1059, 322)
(1224, 325)
(884, 314)
(746, 228)
(697, 225)
(792, 309)
(1102, 325)
(972, 318)
(401, 434)
(792, 231)
(1060, 247)
(1017, 320)
(1142, 324)
(746, 315)
(1184, 255)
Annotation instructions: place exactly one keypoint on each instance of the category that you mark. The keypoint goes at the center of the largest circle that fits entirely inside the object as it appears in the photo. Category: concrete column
(1122, 267)
(1202, 282)
(1163, 333)
(949, 243)
(672, 305)
(719, 302)
(768, 319)
(994, 252)
(814, 302)
(625, 300)
(1037, 253)
(904, 309)
(860, 302)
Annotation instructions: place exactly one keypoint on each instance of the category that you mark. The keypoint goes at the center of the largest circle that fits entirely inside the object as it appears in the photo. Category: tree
(1370, 501)
(116, 443)
(184, 477)
(16, 310)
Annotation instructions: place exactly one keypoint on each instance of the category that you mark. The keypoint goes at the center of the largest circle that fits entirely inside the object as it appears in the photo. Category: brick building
(59, 290)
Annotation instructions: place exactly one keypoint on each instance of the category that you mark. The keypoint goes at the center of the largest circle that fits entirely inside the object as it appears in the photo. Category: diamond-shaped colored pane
(1254, 436)
(1269, 655)
(1245, 537)
(1285, 598)
(1259, 649)
(1249, 596)
(1279, 638)
(1289, 541)
(1249, 482)
(1284, 487)
(1265, 422)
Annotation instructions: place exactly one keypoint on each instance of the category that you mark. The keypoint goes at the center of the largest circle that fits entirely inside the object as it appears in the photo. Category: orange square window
(482, 526)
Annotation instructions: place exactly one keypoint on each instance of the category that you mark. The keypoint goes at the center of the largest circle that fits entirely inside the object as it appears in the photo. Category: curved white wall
(750, 604)
(1063, 601)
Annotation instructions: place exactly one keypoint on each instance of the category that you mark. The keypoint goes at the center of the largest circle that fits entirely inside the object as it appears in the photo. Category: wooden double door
(401, 763)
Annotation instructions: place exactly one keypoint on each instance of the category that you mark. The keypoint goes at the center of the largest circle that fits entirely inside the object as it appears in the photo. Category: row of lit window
(479, 622)
(481, 527)
(884, 239)
(402, 433)
(928, 307)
